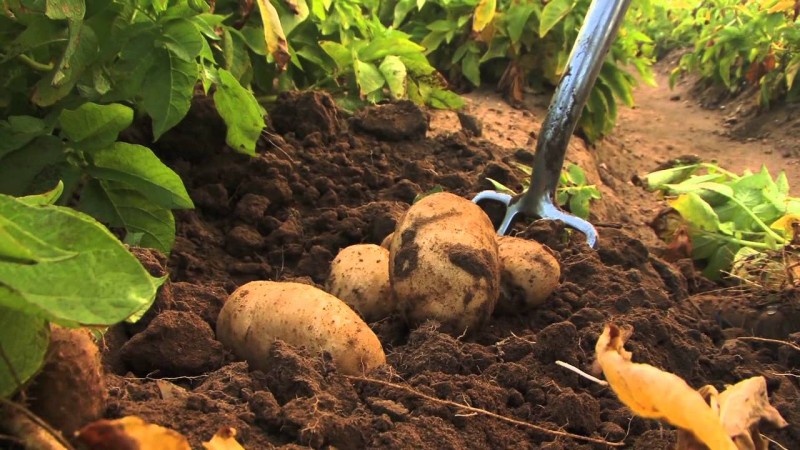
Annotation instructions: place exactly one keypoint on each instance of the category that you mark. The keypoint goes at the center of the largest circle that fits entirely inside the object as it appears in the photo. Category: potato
(444, 264)
(259, 312)
(387, 241)
(360, 277)
(529, 274)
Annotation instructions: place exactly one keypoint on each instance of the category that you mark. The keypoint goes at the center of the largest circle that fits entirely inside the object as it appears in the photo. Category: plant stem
(716, 168)
(758, 221)
(35, 65)
(742, 242)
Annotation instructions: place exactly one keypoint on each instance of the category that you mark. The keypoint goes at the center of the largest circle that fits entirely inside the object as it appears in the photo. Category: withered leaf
(652, 393)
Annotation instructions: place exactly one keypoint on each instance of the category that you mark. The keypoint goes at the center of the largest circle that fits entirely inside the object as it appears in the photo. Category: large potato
(260, 312)
(530, 273)
(444, 264)
(360, 277)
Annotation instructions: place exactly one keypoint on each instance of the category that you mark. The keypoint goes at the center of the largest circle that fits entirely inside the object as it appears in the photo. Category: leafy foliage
(725, 214)
(59, 265)
(520, 45)
(75, 73)
(572, 192)
(740, 44)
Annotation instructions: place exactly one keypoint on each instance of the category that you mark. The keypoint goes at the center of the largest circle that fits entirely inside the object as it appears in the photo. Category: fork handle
(596, 35)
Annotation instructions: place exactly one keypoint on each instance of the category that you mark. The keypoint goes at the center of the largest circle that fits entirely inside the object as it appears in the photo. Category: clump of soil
(284, 214)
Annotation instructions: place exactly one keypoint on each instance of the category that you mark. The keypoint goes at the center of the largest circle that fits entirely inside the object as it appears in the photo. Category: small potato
(387, 241)
(260, 312)
(529, 274)
(360, 277)
(444, 264)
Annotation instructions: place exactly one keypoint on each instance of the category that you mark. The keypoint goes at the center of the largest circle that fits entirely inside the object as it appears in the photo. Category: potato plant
(742, 44)
(59, 266)
(74, 75)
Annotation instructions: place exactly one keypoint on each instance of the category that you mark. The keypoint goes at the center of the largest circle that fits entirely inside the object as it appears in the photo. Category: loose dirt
(323, 184)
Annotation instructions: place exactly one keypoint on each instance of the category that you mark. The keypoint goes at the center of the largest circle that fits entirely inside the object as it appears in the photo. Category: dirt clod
(174, 344)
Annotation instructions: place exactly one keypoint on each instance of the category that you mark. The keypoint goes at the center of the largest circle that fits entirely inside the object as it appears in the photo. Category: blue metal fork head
(545, 210)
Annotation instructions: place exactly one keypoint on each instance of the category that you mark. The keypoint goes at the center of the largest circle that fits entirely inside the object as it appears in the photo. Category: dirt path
(666, 124)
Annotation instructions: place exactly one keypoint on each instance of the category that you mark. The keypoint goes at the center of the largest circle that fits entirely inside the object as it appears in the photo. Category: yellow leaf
(225, 439)
(655, 394)
(484, 13)
(130, 432)
(782, 6)
(786, 224)
(273, 34)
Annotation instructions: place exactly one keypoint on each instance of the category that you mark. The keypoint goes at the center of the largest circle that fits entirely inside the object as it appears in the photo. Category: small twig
(472, 409)
(773, 441)
(774, 341)
(786, 374)
(148, 377)
(582, 373)
(39, 422)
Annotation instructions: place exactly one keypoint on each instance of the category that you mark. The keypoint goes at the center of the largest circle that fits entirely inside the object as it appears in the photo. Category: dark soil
(321, 183)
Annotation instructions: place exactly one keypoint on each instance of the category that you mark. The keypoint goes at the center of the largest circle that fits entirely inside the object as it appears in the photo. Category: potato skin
(360, 277)
(259, 312)
(444, 264)
(529, 273)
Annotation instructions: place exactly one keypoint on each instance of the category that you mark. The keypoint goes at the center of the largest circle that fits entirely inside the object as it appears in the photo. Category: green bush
(740, 44)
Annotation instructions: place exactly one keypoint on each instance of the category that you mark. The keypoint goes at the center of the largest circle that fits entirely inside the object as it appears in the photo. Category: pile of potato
(443, 262)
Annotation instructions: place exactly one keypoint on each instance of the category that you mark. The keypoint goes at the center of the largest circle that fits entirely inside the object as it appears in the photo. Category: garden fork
(585, 60)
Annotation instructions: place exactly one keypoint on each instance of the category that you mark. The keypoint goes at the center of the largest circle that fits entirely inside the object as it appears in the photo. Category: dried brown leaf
(130, 433)
(742, 408)
(225, 439)
(652, 393)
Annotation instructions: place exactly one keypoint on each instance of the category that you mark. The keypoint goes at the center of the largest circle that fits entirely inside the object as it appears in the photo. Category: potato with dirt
(444, 264)
(360, 277)
(529, 273)
(260, 312)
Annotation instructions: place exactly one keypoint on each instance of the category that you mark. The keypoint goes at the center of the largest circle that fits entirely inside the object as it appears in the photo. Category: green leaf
(368, 77)
(339, 53)
(121, 206)
(183, 39)
(392, 44)
(95, 125)
(579, 204)
(470, 67)
(18, 131)
(65, 9)
(516, 18)
(167, 91)
(21, 174)
(576, 174)
(720, 261)
(443, 99)
(401, 10)
(101, 285)
(617, 79)
(725, 69)
(24, 339)
(394, 71)
(660, 178)
(483, 15)
(81, 52)
(22, 247)
(552, 13)
(696, 211)
(241, 112)
(140, 168)
(47, 198)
